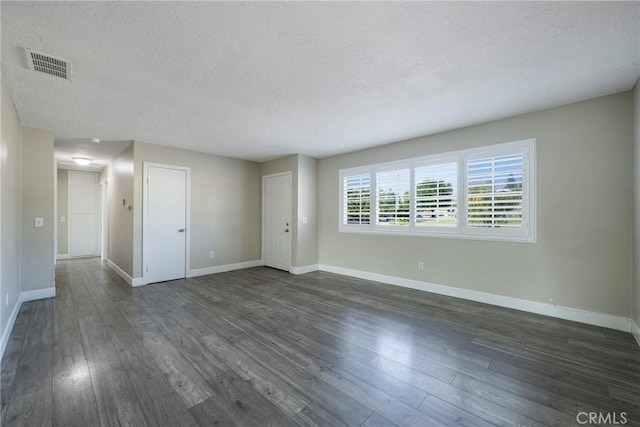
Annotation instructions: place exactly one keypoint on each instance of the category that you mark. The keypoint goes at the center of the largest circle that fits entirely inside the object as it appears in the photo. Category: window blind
(494, 192)
(436, 195)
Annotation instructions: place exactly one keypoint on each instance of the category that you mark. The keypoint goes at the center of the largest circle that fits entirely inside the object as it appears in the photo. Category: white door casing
(104, 223)
(83, 211)
(165, 223)
(276, 221)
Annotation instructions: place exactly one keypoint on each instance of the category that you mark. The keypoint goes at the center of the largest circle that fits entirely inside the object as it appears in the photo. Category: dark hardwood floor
(261, 347)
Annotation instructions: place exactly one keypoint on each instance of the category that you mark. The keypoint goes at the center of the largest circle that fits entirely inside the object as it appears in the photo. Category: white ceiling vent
(48, 64)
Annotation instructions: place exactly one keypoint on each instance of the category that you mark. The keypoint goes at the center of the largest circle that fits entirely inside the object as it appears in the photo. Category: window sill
(441, 235)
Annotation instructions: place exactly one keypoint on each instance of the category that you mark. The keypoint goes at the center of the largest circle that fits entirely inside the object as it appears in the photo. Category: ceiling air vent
(48, 64)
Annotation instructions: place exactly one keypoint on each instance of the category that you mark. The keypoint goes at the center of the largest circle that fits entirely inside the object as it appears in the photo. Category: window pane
(357, 199)
(436, 195)
(494, 192)
(393, 197)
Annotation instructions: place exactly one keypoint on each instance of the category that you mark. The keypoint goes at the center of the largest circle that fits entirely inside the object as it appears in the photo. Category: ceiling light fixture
(82, 161)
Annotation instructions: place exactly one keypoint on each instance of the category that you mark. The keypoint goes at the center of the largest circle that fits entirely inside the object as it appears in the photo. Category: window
(436, 193)
(494, 192)
(357, 199)
(481, 193)
(392, 207)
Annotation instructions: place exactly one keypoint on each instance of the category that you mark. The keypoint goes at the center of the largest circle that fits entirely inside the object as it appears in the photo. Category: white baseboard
(123, 274)
(37, 294)
(63, 256)
(7, 330)
(222, 268)
(567, 313)
(635, 330)
(304, 269)
(24, 296)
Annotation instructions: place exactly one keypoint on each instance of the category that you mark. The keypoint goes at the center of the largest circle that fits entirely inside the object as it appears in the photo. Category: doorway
(276, 221)
(165, 223)
(84, 208)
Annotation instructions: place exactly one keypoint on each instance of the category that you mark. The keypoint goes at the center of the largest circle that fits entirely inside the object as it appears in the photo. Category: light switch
(38, 222)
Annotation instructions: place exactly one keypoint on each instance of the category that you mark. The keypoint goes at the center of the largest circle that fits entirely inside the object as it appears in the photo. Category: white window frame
(432, 161)
(389, 167)
(527, 233)
(355, 228)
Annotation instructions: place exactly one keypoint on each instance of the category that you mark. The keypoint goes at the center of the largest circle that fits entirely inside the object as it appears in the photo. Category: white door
(276, 221)
(165, 224)
(83, 214)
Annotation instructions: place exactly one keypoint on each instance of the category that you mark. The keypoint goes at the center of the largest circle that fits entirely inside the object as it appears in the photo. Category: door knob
(182, 230)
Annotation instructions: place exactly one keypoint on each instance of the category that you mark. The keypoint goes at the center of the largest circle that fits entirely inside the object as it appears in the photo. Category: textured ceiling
(261, 80)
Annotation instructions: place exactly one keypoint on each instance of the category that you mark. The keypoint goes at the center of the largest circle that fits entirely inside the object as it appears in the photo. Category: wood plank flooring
(261, 347)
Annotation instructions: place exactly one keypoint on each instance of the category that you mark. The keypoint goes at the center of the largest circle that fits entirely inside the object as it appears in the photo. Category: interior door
(276, 220)
(83, 214)
(165, 224)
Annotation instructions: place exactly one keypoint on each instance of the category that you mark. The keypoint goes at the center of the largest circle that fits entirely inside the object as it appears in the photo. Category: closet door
(83, 214)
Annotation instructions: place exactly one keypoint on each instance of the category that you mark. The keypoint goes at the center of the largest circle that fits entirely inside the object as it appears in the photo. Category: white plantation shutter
(486, 193)
(393, 197)
(494, 191)
(435, 195)
(356, 199)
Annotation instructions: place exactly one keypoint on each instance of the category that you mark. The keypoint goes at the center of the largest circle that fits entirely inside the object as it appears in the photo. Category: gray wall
(10, 207)
(119, 174)
(38, 174)
(63, 204)
(636, 211)
(225, 205)
(583, 256)
(307, 235)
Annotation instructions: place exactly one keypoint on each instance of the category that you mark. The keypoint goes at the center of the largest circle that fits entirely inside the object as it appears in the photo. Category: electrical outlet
(420, 265)
(211, 254)
(38, 222)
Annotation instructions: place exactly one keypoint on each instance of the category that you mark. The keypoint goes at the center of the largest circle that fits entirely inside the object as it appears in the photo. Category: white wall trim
(63, 256)
(138, 281)
(304, 269)
(567, 313)
(24, 296)
(123, 274)
(222, 268)
(104, 220)
(37, 294)
(7, 330)
(120, 272)
(635, 330)
(56, 217)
